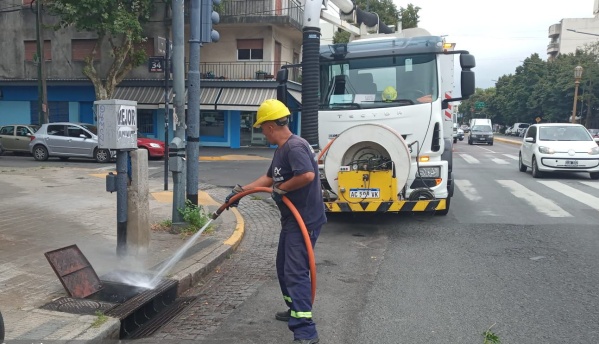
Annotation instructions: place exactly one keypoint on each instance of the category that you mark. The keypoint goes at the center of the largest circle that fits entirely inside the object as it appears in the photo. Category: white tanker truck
(378, 111)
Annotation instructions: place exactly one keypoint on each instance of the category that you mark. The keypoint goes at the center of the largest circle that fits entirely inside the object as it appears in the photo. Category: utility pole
(179, 90)
(167, 79)
(43, 115)
(193, 121)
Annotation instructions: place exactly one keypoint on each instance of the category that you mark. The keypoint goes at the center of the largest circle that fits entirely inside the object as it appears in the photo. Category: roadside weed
(195, 217)
(490, 337)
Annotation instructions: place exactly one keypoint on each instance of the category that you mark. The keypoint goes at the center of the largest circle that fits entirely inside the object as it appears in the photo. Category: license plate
(364, 193)
(571, 162)
(482, 139)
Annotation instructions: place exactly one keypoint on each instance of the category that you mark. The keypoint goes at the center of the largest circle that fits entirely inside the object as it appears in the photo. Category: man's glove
(237, 189)
(277, 194)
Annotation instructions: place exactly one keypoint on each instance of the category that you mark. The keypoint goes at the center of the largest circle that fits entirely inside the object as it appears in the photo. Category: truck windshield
(376, 82)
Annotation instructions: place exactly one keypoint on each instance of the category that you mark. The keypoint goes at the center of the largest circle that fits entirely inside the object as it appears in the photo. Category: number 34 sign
(156, 64)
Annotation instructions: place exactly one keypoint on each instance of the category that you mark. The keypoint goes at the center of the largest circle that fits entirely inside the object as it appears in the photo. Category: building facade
(573, 33)
(257, 38)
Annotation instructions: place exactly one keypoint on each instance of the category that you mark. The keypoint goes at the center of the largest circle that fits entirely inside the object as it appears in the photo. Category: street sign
(538, 119)
(156, 64)
(479, 105)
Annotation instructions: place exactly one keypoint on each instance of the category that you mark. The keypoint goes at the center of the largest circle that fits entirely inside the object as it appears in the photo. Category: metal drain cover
(78, 306)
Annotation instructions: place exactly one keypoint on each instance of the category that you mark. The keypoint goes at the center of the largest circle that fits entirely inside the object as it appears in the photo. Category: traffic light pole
(193, 123)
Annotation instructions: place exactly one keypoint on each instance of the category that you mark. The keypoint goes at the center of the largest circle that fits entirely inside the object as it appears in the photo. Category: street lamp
(577, 76)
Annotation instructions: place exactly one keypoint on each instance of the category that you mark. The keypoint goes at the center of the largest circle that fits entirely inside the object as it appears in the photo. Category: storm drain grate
(78, 306)
(163, 318)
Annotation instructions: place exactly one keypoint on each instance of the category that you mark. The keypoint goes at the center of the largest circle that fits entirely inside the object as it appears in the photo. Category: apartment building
(573, 33)
(257, 38)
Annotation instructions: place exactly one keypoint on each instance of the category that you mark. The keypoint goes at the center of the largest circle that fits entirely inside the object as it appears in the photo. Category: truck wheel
(455, 140)
(40, 153)
(446, 210)
(1, 329)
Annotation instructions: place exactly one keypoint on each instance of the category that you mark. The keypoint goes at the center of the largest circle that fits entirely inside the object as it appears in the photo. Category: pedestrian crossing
(500, 159)
(552, 198)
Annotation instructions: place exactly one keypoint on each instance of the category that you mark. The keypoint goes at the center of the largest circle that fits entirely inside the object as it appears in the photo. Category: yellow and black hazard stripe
(383, 207)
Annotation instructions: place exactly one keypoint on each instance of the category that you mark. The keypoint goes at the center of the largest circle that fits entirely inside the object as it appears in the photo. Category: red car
(154, 147)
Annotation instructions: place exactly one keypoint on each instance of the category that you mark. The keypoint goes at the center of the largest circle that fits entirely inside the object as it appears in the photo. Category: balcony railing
(552, 47)
(244, 11)
(245, 70)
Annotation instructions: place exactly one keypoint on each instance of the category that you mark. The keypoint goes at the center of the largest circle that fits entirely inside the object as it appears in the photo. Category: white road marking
(467, 189)
(573, 193)
(511, 156)
(540, 203)
(470, 159)
(500, 161)
(592, 184)
(487, 149)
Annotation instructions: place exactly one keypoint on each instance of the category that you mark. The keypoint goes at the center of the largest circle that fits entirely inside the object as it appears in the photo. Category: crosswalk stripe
(592, 184)
(467, 189)
(500, 161)
(511, 156)
(470, 159)
(573, 193)
(540, 203)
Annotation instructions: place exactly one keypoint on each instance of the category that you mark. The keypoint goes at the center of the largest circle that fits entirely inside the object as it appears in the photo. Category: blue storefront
(228, 108)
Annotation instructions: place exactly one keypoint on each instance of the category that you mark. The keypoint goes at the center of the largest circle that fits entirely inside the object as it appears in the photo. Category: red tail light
(31, 138)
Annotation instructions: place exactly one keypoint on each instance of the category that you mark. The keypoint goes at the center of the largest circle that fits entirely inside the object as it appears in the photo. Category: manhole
(78, 306)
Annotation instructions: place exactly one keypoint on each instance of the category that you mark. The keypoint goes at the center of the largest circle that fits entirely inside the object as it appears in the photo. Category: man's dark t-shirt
(295, 157)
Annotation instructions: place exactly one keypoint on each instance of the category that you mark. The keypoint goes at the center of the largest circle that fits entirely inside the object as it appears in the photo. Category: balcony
(255, 70)
(282, 12)
(555, 30)
(552, 48)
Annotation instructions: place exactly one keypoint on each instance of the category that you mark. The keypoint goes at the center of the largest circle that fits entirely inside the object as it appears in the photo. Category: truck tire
(1, 329)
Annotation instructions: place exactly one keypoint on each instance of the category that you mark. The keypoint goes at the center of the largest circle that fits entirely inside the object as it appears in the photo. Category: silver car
(65, 140)
(16, 137)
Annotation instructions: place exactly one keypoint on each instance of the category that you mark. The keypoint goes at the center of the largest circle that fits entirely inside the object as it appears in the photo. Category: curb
(501, 139)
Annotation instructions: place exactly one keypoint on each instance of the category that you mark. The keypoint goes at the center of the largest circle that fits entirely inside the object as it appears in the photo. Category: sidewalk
(47, 208)
(508, 139)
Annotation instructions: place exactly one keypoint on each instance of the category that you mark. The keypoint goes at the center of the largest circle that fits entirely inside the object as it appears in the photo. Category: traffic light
(209, 17)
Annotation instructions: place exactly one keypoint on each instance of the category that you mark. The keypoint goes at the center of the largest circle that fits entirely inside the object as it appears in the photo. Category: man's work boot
(283, 316)
(307, 341)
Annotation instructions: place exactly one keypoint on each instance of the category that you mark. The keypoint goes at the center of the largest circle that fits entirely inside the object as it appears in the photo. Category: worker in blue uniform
(293, 173)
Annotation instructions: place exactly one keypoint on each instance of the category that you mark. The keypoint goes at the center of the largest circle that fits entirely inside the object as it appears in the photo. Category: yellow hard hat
(389, 93)
(271, 110)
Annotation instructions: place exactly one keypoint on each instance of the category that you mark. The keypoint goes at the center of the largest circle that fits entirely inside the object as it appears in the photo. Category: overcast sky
(500, 34)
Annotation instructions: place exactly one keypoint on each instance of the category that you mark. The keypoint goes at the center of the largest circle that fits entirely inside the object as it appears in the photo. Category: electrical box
(117, 124)
(111, 182)
(176, 155)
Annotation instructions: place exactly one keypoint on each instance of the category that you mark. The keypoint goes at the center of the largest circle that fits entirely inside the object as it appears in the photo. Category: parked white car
(559, 147)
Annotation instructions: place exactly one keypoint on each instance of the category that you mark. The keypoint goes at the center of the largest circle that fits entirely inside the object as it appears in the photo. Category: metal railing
(244, 70)
(258, 8)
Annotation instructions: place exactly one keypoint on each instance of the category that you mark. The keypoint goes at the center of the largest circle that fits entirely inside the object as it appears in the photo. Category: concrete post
(138, 210)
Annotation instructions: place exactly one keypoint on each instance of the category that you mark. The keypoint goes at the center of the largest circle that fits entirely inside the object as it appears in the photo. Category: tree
(409, 16)
(118, 22)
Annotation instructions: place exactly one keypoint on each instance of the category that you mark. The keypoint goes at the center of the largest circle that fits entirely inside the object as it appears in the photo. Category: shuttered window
(82, 48)
(250, 49)
(31, 50)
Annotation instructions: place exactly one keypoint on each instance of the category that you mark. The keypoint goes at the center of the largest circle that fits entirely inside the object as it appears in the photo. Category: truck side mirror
(467, 83)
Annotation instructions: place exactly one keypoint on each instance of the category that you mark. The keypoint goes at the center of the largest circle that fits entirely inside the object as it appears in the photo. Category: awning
(208, 95)
(142, 95)
(248, 99)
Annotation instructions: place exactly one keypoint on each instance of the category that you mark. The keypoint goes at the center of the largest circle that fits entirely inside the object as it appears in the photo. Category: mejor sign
(117, 124)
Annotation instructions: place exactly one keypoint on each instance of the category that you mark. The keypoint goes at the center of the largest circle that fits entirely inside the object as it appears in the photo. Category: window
(31, 50)
(212, 123)
(74, 131)
(82, 48)
(56, 130)
(250, 49)
(8, 130)
(145, 121)
(59, 112)
(23, 131)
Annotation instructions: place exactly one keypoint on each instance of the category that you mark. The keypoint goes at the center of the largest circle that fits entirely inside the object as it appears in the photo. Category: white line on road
(470, 159)
(500, 161)
(540, 203)
(592, 184)
(487, 149)
(573, 193)
(511, 156)
(467, 189)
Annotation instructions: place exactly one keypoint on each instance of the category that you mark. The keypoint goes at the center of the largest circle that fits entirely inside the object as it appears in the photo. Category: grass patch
(256, 198)
(490, 337)
(195, 217)
(100, 319)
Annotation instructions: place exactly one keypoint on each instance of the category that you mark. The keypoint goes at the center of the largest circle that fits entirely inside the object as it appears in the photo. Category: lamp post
(577, 76)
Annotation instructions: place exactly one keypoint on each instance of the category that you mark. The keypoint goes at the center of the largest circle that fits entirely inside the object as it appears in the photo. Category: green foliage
(543, 89)
(118, 22)
(490, 338)
(100, 319)
(195, 216)
(409, 16)
(341, 37)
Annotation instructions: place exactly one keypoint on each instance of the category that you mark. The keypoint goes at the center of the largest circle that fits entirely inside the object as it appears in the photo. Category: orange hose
(324, 150)
(298, 218)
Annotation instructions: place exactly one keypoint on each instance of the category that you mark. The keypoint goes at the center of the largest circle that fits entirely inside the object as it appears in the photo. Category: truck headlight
(594, 151)
(546, 150)
(429, 172)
